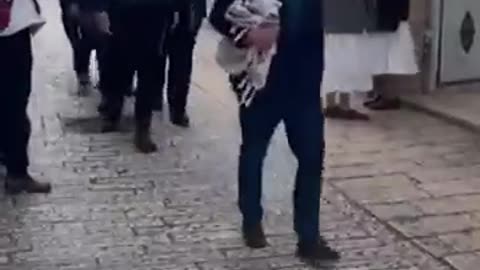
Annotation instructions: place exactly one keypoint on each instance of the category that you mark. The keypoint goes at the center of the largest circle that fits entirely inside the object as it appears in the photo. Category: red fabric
(5, 13)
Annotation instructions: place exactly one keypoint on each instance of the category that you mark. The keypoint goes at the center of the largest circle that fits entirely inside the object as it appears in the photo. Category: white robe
(352, 60)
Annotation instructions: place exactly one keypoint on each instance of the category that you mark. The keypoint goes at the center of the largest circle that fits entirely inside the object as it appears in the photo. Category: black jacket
(296, 69)
(355, 16)
(105, 5)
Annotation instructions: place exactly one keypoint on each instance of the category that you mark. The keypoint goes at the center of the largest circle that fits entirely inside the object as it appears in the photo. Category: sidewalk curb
(441, 114)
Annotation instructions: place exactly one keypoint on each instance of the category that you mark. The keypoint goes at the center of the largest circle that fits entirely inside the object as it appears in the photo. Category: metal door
(460, 41)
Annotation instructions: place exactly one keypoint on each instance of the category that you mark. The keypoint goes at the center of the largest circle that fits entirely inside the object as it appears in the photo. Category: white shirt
(24, 15)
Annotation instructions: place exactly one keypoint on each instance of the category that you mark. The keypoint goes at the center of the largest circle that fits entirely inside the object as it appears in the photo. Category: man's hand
(262, 38)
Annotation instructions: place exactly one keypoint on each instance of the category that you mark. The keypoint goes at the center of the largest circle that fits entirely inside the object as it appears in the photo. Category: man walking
(137, 31)
(179, 47)
(82, 44)
(291, 95)
(18, 20)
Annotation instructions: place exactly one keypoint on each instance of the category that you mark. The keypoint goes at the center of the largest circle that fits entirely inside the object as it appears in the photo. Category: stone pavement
(402, 191)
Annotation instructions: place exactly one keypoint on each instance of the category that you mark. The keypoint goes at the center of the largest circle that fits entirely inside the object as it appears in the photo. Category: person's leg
(384, 99)
(83, 51)
(345, 101)
(118, 70)
(258, 123)
(332, 108)
(305, 130)
(15, 77)
(159, 100)
(180, 67)
(101, 47)
(81, 48)
(149, 62)
(348, 112)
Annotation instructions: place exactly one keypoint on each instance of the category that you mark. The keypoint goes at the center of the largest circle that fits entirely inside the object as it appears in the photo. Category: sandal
(334, 112)
(356, 115)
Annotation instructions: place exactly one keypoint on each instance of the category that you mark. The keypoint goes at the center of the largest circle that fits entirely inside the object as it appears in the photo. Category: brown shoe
(356, 115)
(18, 184)
(334, 112)
(254, 237)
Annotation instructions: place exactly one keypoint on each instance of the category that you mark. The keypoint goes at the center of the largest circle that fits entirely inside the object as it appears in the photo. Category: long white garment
(352, 60)
(23, 16)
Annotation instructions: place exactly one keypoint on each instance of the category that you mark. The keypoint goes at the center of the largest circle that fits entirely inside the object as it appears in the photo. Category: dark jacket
(104, 5)
(297, 67)
(356, 16)
(64, 4)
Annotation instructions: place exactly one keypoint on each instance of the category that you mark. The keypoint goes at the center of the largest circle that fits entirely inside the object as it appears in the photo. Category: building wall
(423, 27)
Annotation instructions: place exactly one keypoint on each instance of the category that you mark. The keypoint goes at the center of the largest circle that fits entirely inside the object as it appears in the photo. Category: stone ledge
(457, 107)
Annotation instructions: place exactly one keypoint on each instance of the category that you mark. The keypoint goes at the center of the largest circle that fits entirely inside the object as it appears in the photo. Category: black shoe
(180, 119)
(143, 141)
(372, 100)
(254, 237)
(317, 253)
(25, 183)
(385, 104)
(109, 125)
(103, 107)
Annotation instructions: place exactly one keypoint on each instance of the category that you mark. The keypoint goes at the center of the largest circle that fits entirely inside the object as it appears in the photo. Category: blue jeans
(305, 130)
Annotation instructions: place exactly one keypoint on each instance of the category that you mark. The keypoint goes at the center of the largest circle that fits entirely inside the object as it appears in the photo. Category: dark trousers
(83, 44)
(136, 46)
(179, 49)
(305, 131)
(15, 89)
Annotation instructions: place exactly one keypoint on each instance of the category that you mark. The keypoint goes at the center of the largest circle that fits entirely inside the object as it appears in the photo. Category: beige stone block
(464, 241)
(394, 211)
(434, 245)
(452, 188)
(469, 261)
(432, 225)
(445, 174)
(384, 189)
(449, 205)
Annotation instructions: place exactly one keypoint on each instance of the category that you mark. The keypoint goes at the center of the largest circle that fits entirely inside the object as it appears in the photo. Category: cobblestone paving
(402, 191)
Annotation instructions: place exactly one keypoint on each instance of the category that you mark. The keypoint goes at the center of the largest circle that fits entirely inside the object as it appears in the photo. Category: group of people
(366, 41)
(139, 39)
(273, 52)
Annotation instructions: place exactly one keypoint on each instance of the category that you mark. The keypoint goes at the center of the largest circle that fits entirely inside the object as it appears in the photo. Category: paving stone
(449, 205)
(426, 226)
(394, 210)
(387, 189)
(436, 245)
(467, 241)
(468, 261)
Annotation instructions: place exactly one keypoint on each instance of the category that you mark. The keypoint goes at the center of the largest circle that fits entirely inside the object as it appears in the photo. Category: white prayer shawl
(24, 14)
(248, 67)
